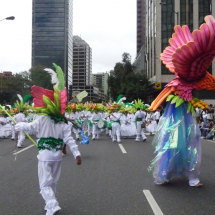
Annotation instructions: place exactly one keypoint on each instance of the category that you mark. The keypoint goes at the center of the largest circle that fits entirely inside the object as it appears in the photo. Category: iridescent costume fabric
(177, 145)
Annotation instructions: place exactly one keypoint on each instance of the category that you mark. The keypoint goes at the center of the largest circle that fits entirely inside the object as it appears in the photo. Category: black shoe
(144, 140)
(20, 146)
(77, 139)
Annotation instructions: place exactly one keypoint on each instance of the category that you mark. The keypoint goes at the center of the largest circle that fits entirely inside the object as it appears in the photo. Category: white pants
(76, 132)
(115, 134)
(21, 138)
(140, 131)
(89, 130)
(13, 134)
(96, 131)
(49, 173)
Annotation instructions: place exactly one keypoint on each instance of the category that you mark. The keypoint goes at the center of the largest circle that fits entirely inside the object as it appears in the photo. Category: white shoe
(20, 146)
(53, 211)
(119, 141)
(137, 140)
(113, 140)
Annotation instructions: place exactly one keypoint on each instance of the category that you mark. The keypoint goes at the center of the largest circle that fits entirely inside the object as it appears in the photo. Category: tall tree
(40, 77)
(19, 83)
(123, 80)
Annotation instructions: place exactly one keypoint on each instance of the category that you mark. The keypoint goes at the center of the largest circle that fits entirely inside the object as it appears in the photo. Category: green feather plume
(60, 76)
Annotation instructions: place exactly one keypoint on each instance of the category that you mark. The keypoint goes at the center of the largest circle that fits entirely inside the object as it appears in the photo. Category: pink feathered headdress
(48, 101)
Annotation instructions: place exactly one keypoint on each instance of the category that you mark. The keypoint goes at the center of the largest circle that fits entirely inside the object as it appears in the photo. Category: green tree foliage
(123, 80)
(40, 77)
(19, 83)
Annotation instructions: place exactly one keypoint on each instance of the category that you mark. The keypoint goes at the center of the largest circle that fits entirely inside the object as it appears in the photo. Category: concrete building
(100, 80)
(82, 63)
(82, 69)
(6, 74)
(161, 17)
(52, 35)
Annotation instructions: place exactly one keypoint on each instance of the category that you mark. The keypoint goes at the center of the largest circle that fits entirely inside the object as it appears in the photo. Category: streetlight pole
(177, 15)
(8, 18)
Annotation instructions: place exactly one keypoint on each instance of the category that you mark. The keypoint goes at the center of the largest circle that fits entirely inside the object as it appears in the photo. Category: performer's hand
(78, 160)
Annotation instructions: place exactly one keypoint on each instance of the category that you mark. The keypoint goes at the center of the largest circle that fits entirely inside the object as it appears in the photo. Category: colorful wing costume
(177, 140)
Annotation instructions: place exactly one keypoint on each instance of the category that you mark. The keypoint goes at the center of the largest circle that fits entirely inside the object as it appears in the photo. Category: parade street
(112, 180)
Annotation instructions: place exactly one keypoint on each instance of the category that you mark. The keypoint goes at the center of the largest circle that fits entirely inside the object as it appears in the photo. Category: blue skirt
(177, 145)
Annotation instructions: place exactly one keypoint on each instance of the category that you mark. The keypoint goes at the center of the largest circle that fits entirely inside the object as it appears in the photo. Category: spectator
(204, 116)
(210, 135)
(206, 128)
(200, 123)
(210, 114)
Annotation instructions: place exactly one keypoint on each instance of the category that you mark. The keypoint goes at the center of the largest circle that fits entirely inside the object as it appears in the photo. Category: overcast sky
(109, 27)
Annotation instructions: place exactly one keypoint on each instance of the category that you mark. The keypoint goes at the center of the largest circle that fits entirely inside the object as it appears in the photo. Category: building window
(204, 10)
(186, 13)
(167, 23)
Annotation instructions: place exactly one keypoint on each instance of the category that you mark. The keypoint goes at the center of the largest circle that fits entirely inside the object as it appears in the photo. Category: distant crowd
(206, 121)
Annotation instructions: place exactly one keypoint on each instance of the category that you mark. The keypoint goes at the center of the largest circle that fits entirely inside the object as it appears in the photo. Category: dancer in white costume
(51, 138)
(89, 122)
(152, 126)
(139, 119)
(52, 132)
(96, 116)
(127, 128)
(115, 122)
(74, 116)
(20, 117)
(5, 126)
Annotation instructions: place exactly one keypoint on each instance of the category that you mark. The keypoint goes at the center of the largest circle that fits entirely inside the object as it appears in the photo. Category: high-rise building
(82, 63)
(161, 17)
(82, 69)
(141, 23)
(139, 62)
(52, 35)
(100, 80)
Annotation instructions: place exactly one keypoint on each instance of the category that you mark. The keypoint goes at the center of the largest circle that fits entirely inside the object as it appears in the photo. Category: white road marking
(23, 149)
(211, 141)
(122, 148)
(156, 209)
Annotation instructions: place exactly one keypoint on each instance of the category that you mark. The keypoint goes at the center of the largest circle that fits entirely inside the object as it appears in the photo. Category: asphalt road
(108, 182)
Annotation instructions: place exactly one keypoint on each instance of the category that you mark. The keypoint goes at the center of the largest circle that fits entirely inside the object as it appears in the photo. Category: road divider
(122, 148)
(156, 209)
(17, 152)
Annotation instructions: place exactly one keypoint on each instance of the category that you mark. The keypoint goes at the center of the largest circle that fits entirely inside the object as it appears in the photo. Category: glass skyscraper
(52, 39)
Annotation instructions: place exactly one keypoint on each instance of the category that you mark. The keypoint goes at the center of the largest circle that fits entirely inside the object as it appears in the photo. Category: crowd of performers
(115, 120)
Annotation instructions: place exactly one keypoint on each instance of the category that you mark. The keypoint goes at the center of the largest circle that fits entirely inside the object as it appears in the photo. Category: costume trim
(50, 143)
(56, 119)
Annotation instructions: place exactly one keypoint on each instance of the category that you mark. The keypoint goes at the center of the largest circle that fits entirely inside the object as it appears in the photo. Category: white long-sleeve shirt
(95, 117)
(140, 114)
(45, 127)
(115, 116)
